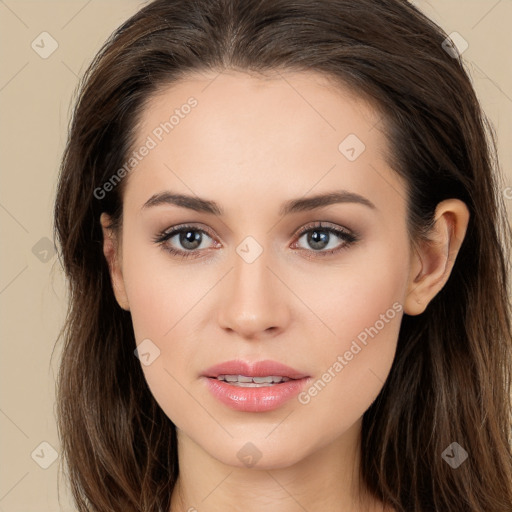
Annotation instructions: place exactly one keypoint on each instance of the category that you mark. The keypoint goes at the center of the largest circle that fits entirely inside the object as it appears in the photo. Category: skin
(251, 144)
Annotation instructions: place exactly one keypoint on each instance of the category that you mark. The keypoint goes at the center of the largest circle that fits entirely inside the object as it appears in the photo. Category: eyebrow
(291, 206)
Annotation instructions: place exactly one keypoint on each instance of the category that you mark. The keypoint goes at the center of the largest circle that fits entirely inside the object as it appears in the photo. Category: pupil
(190, 237)
(317, 238)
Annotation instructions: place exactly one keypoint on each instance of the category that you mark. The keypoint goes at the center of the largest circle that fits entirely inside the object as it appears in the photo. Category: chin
(258, 452)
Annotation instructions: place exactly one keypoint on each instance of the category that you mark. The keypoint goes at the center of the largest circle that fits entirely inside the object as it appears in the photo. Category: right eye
(190, 238)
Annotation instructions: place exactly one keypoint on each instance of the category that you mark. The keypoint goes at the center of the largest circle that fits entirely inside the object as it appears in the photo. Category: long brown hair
(451, 377)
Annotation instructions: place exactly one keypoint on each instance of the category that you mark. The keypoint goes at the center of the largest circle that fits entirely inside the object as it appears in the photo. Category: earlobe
(111, 250)
(433, 260)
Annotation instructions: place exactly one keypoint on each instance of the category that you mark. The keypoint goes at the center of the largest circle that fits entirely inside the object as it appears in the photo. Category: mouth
(271, 384)
(257, 374)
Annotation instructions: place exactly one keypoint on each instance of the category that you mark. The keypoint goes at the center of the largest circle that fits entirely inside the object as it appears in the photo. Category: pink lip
(256, 369)
(257, 399)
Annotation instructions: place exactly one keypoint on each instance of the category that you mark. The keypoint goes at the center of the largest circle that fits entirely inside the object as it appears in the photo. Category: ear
(433, 260)
(112, 252)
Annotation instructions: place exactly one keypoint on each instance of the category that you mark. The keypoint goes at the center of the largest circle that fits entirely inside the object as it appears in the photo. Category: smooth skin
(251, 144)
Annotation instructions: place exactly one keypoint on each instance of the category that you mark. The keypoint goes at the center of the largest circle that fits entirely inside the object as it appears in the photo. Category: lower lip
(265, 398)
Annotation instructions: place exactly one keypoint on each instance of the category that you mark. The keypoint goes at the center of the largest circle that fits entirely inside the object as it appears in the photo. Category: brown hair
(451, 377)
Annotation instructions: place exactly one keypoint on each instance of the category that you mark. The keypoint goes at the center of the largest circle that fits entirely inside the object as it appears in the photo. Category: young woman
(287, 252)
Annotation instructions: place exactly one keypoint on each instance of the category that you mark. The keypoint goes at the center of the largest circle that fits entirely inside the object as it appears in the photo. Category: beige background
(35, 99)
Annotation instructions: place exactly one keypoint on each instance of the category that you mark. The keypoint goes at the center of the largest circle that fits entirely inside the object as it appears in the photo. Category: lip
(256, 369)
(254, 399)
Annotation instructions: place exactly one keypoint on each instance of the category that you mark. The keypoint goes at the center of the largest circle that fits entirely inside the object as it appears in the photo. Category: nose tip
(251, 301)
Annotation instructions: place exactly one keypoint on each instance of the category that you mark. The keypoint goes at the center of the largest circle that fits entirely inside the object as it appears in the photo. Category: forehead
(304, 103)
(235, 133)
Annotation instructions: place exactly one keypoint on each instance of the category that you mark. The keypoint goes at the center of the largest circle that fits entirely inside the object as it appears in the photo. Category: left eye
(320, 237)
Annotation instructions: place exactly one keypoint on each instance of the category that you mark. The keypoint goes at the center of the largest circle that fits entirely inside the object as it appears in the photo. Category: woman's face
(262, 281)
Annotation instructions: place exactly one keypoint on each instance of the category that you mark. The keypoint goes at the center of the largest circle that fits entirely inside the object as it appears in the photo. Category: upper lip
(256, 369)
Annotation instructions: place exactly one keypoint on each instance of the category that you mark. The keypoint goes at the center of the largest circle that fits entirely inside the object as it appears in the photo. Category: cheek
(350, 379)
(353, 297)
(159, 290)
(162, 297)
(362, 306)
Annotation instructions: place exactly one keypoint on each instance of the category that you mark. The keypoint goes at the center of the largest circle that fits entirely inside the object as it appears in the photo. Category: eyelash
(347, 237)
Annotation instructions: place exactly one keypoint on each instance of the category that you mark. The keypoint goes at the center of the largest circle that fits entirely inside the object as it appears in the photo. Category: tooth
(261, 380)
(251, 384)
(243, 380)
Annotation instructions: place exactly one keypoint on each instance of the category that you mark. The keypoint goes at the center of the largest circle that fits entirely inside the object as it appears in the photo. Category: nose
(253, 300)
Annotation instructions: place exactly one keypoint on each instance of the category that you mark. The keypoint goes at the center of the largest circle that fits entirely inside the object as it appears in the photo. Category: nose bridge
(252, 301)
(251, 279)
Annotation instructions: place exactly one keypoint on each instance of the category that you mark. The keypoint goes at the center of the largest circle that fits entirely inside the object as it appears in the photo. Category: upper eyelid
(321, 224)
